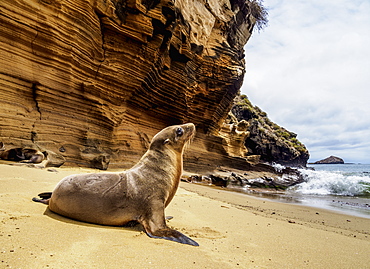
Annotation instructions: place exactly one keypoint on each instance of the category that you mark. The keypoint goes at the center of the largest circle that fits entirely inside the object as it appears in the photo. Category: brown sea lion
(24, 155)
(138, 194)
(31, 157)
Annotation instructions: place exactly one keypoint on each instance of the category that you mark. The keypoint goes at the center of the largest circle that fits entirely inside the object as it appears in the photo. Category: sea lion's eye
(179, 131)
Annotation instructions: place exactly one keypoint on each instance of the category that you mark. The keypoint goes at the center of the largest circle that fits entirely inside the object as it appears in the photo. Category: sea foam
(333, 183)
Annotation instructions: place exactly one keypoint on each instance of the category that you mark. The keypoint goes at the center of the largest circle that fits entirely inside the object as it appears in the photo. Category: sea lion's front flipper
(172, 235)
(155, 227)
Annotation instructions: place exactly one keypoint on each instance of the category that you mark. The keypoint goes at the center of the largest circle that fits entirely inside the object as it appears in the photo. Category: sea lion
(24, 155)
(138, 194)
(31, 157)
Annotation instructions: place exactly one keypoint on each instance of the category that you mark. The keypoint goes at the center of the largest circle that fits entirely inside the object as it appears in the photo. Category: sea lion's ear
(166, 141)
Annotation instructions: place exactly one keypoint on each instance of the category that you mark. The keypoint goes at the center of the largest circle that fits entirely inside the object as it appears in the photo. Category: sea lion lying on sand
(138, 194)
(31, 157)
(24, 155)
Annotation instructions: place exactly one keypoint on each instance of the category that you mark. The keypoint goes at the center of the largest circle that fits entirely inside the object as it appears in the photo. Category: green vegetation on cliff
(259, 12)
(273, 142)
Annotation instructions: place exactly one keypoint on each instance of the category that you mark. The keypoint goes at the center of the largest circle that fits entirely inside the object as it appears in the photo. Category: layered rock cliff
(94, 80)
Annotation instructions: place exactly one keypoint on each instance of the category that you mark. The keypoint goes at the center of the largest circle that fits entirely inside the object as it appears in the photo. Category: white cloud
(309, 70)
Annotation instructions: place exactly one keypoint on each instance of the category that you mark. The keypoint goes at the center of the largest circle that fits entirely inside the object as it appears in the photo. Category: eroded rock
(262, 176)
(108, 75)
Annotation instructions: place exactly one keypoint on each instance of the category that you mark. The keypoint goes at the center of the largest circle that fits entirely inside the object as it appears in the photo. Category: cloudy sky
(310, 71)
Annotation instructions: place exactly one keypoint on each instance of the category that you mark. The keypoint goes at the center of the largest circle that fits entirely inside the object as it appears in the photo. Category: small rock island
(331, 160)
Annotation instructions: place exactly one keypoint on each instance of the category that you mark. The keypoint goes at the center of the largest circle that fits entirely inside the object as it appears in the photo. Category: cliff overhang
(93, 81)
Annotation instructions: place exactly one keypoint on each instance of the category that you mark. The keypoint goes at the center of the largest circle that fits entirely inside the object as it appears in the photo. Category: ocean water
(336, 179)
(339, 187)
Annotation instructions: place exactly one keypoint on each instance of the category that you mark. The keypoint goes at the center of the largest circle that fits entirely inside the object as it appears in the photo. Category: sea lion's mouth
(189, 130)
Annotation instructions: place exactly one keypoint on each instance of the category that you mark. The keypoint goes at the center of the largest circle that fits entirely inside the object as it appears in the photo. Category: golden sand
(234, 231)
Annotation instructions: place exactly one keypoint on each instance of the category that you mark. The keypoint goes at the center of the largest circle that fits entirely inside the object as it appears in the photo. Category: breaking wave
(343, 183)
(278, 167)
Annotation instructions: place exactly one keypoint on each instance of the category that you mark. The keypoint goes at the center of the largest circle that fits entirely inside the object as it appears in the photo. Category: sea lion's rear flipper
(43, 201)
(45, 197)
(172, 235)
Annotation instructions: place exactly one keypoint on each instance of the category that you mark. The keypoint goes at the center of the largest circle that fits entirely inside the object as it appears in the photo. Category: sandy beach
(233, 230)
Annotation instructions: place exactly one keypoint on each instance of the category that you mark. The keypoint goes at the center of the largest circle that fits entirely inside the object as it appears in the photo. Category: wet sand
(234, 231)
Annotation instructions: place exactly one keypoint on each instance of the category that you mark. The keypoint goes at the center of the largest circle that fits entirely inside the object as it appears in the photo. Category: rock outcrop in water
(262, 177)
(331, 160)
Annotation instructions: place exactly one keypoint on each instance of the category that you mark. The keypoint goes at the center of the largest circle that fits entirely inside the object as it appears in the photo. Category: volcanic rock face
(272, 142)
(331, 160)
(93, 81)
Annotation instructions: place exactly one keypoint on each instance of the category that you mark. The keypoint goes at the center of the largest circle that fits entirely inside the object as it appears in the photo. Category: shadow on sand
(131, 226)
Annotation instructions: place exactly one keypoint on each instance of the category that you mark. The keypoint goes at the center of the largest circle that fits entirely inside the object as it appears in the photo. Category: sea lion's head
(174, 137)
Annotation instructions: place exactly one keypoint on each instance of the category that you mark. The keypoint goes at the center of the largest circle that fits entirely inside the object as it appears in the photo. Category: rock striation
(331, 160)
(93, 81)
